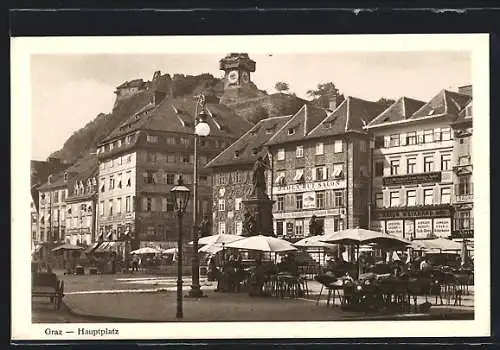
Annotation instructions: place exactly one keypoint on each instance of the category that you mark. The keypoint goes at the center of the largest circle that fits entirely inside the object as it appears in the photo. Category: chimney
(333, 101)
(466, 90)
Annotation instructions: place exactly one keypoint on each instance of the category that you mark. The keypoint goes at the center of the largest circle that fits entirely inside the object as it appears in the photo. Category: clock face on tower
(245, 77)
(232, 77)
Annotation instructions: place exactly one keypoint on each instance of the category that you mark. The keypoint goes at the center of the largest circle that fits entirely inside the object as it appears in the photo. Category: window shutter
(314, 174)
(325, 173)
(402, 139)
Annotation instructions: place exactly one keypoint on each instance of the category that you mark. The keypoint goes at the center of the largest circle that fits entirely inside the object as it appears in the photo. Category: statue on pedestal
(249, 224)
(259, 178)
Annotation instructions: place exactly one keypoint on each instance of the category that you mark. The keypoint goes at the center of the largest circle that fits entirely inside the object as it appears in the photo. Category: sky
(69, 90)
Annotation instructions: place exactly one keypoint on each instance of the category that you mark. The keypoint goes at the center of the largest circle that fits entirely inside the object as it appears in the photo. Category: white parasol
(263, 244)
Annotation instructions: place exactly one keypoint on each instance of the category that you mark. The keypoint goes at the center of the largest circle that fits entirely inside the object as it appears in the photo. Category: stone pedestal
(261, 208)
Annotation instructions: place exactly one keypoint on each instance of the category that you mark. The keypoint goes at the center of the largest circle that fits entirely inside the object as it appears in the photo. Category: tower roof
(237, 60)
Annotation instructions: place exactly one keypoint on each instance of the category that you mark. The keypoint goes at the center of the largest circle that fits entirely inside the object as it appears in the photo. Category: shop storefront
(415, 223)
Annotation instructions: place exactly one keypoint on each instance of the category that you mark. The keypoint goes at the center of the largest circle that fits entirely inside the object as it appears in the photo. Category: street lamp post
(180, 195)
(201, 129)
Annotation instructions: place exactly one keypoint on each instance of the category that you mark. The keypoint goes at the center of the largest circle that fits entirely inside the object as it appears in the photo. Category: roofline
(327, 115)
(398, 122)
(284, 125)
(347, 113)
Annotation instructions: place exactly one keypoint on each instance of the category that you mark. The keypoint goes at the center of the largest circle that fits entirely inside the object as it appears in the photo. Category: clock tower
(237, 68)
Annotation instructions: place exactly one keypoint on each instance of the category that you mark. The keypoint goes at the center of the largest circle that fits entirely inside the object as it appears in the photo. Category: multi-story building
(463, 194)
(412, 182)
(81, 203)
(232, 174)
(319, 163)
(140, 161)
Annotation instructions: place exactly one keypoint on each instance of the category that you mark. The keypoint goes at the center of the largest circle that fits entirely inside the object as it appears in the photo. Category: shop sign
(434, 177)
(409, 229)
(423, 228)
(129, 215)
(377, 225)
(309, 200)
(394, 227)
(464, 198)
(289, 228)
(310, 186)
(442, 227)
(306, 214)
(412, 213)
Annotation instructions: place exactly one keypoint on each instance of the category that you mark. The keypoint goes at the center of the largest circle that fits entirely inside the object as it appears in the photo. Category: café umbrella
(146, 250)
(263, 244)
(218, 239)
(314, 242)
(359, 236)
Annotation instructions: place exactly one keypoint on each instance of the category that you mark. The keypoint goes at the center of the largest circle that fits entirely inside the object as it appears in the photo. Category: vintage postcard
(314, 186)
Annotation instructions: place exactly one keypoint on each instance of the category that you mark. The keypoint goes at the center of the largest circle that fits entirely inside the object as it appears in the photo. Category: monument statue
(259, 178)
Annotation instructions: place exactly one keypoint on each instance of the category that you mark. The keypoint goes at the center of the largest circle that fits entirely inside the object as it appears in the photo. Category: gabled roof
(402, 109)
(444, 103)
(302, 123)
(176, 115)
(351, 115)
(463, 117)
(250, 146)
(83, 169)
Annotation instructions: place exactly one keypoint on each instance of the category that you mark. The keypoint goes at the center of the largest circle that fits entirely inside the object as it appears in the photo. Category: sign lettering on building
(311, 186)
(442, 227)
(464, 198)
(433, 177)
(305, 214)
(378, 225)
(309, 200)
(289, 228)
(394, 227)
(423, 228)
(412, 213)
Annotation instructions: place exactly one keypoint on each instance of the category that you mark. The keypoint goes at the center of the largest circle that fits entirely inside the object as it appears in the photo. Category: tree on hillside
(386, 102)
(258, 114)
(323, 94)
(281, 87)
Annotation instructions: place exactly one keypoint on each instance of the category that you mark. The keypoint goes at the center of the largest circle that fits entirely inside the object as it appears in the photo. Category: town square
(202, 195)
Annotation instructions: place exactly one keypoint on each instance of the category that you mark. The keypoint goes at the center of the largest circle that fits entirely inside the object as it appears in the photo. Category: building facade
(319, 167)
(232, 173)
(412, 182)
(463, 194)
(142, 159)
(52, 209)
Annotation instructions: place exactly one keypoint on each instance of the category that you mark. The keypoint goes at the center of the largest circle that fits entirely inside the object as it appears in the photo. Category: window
(222, 205)
(394, 167)
(379, 142)
(338, 170)
(320, 173)
(411, 138)
(103, 184)
(445, 162)
(280, 155)
(129, 178)
(111, 182)
(428, 164)
(363, 171)
(151, 157)
(299, 227)
(238, 227)
(394, 141)
(445, 195)
(163, 204)
(362, 146)
(279, 227)
(237, 204)
(185, 159)
(127, 204)
(101, 208)
(411, 198)
(222, 227)
(170, 204)
(320, 200)
(446, 134)
(437, 134)
(428, 136)
(319, 148)
(394, 199)
(338, 224)
(149, 204)
(171, 140)
(148, 177)
(411, 165)
(464, 186)
(291, 131)
(337, 146)
(379, 168)
(463, 220)
(379, 200)
(280, 203)
(185, 141)
(299, 175)
(118, 205)
(428, 194)
(110, 206)
(298, 201)
(170, 158)
(152, 138)
(338, 199)
(299, 151)
(221, 179)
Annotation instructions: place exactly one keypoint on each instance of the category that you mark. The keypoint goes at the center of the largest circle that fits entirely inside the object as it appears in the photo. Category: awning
(299, 176)
(106, 247)
(92, 247)
(279, 179)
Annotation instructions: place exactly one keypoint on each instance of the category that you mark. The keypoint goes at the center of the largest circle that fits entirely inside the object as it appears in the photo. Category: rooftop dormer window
(431, 112)
(327, 125)
(291, 131)
(236, 154)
